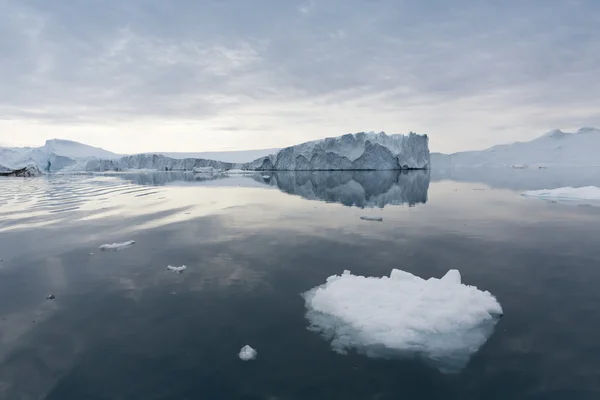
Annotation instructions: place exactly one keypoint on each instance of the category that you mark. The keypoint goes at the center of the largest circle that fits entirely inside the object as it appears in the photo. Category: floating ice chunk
(367, 218)
(176, 269)
(247, 353)
(566, 193)
(442, 320)
(117, 246)
(266, 177)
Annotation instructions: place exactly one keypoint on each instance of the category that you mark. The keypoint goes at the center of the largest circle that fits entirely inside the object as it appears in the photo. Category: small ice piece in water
(50, 297)
(247, 353)
(566, 193)
(176, 269)
(367, 218)
(117, 246)
(440, 320)
(266, 177)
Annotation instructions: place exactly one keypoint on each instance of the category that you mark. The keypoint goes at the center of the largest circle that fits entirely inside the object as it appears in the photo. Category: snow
(566, 193)
(442, 320)
(367, 218)
(359, 151)
(117, 246)
(177, 269)
(75, 150)
(247, 353)
(553, 149)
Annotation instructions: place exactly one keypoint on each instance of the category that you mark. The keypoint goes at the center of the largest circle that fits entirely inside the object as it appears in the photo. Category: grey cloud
(94, 60)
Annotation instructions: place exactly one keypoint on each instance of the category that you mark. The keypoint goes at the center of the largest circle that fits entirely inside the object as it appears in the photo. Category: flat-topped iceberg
(442, 320)
(359, 151)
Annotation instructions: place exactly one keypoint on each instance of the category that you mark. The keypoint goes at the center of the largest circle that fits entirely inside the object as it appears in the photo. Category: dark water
(123, 327)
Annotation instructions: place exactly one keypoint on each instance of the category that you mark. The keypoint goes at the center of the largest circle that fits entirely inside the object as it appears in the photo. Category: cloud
(460, 71)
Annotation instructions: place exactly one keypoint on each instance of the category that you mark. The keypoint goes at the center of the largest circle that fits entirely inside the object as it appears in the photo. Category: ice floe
(117, 246)
(566, 193)
(177, 269)
(247, 353)
(367, 218)
(402, 315)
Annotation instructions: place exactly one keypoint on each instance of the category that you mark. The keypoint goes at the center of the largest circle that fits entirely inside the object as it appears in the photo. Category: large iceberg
(359, 151)
(442, 320)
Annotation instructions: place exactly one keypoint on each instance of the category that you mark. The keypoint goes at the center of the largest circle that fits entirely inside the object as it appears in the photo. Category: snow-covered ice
(247, 353)
(566, 193)
(368, 218)
(176, 269)
(553, 149)
(442, 320)
(117, 246)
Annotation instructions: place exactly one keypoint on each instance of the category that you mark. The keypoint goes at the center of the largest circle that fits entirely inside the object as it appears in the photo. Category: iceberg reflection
(355, 188)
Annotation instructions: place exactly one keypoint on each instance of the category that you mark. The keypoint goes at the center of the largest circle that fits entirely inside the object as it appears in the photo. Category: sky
(214, 75)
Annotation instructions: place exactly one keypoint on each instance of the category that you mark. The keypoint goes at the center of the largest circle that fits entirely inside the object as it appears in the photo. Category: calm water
(123, 327)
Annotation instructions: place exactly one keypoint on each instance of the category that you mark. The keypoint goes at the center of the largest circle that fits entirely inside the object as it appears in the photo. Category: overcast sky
(195, 75)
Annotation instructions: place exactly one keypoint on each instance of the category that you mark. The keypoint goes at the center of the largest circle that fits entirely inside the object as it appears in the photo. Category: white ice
(566, 193)
(247, 353)
(117, 246)
(442, 320)
(176, 269)
(367, 218)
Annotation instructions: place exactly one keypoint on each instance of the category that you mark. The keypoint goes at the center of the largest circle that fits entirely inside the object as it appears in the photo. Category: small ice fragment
(266, 177)
(247, 353)
(91, 254)
(117, 246)
(176, 269)
(367, 218)
(50, 297)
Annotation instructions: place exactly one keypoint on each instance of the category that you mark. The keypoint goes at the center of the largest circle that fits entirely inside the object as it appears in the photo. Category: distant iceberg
(359, 151)
(566, 193)
(116, 246)
(441, 320)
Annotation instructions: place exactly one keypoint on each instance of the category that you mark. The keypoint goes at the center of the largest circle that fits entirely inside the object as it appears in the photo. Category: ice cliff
(359, 151)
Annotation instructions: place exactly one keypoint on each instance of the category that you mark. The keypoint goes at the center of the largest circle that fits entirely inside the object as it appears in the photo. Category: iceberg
(566, 193)
(247, 353)
(155, 162)
(117, 246)
(359, 151)
(441, 320)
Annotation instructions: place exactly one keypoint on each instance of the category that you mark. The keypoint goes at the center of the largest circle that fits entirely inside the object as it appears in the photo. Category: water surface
(123, 327)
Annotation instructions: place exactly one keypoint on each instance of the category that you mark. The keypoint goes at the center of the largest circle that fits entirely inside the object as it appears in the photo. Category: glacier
(359, 151)
(442, 320)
